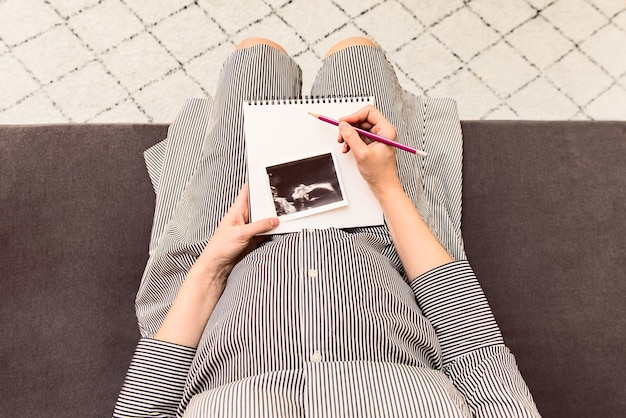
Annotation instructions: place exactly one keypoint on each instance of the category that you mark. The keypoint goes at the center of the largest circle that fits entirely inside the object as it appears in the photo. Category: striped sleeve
(454, 303)
(155, 380)
(474, 356)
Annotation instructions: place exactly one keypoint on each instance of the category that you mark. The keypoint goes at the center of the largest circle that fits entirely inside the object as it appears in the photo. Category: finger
(386, 131)
(259, 227)
(240, 205)
(351, 137)
(242, 196)
(355, 122)
(358, 116)
(371, 119)
(374, 116)
(365, 117)
(355, 119)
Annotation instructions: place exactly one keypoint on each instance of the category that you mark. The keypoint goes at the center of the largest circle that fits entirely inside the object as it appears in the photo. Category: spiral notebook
(296, 169)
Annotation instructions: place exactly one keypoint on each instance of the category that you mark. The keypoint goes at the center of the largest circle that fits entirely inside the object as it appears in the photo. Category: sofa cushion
(543, 223)
(76, 217)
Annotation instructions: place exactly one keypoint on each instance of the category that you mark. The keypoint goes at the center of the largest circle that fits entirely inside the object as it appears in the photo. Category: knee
(250, 42)
(346, 43)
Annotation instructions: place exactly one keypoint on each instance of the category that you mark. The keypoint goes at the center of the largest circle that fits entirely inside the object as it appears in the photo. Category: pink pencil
(372, 136)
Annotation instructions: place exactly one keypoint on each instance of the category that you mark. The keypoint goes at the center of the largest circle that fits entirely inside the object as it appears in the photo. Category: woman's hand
(206, 280)
(418, 248)
(376, 161)
(234, 237)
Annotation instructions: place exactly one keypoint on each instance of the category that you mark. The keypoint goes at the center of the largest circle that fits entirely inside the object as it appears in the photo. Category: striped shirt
(365, 348)
(322, 322)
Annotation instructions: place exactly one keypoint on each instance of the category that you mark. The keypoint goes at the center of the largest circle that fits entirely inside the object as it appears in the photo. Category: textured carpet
(138, 60)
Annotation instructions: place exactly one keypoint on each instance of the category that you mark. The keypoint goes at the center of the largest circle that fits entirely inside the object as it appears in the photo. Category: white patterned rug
(138, 60)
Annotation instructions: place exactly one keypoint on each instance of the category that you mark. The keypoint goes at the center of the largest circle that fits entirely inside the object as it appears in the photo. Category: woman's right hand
(233, 238)
(376, 161)
(418, 248)
(206, 280)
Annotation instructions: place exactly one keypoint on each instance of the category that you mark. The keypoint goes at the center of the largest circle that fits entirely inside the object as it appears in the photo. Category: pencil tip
(315, 115)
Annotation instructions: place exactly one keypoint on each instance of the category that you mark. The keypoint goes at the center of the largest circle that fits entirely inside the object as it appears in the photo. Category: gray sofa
(543, 221)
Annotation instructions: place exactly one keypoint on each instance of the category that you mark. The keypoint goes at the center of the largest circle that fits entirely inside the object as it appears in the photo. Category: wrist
(218, 258)
(209, 271)
(388, 192)
(206, 284)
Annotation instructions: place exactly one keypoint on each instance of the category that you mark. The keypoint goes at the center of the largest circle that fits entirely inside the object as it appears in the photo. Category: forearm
(417, 246)
(193, 306)
(205, 282)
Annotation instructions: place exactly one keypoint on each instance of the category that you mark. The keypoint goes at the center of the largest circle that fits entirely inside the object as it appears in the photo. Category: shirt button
(312, 273)
(316, 357)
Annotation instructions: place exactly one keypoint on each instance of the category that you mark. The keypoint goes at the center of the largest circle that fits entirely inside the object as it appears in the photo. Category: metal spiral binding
(304, 100)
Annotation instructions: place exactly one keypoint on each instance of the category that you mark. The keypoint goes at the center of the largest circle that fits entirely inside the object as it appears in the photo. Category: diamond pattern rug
(137, 61)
